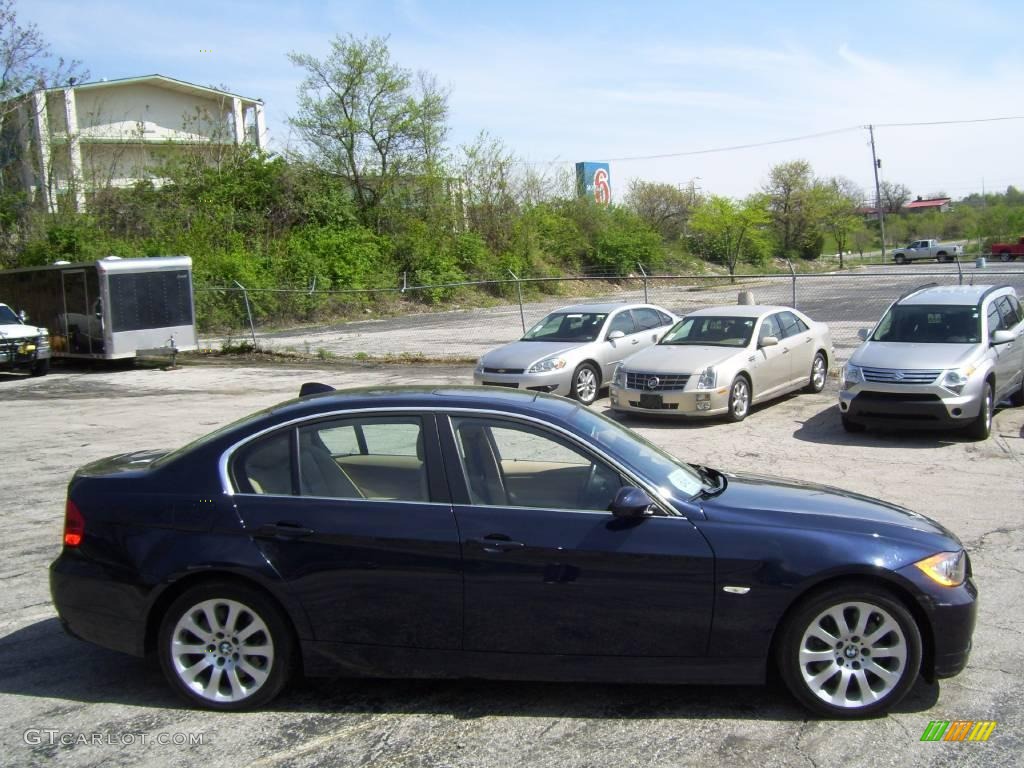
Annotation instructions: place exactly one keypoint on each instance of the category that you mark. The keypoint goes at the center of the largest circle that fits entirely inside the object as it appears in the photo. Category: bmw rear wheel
(739, 399)
(851, 651)
(225, 646)
(585, 383)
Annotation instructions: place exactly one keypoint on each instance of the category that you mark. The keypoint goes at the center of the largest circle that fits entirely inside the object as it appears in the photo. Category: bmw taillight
(74, 525)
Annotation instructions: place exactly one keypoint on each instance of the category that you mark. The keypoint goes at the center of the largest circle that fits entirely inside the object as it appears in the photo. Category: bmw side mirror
(862, 334)
(768, 341)
(1002, 337)
(631, 502)
(615, 335)
(23, 316)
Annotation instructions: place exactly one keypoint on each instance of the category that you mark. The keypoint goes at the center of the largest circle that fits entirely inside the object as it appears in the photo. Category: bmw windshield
(578, 327)
(672, 478)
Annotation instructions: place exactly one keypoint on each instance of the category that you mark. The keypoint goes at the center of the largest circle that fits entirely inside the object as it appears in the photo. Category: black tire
(900, 258)
(1005, 256)
(943, 257)
(40, 367)
(871, 641)
(981, 427)
(586, 383)
(853, 427)
(816, 381)
(740, 397)
(223, 652)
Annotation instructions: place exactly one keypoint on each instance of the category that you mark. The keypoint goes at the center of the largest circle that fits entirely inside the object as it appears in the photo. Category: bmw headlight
(547, 365)
(708, 378)
(851, 375)
(946, 568)
(957, 379)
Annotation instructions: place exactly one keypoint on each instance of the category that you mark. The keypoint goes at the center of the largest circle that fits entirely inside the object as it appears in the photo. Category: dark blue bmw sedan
(477, 532)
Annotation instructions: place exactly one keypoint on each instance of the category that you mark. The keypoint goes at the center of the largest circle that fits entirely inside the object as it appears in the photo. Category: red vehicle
(1008, 251)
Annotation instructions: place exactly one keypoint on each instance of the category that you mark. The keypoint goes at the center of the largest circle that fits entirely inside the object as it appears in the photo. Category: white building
(85, 137)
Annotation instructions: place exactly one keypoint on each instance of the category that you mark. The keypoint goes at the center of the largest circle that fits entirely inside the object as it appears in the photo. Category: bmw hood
(665, 358)
(520, 355)
(793, 504)
(910, 356)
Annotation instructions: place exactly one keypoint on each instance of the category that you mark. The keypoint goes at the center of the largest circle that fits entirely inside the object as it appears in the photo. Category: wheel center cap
(850, 652)
(225, 648)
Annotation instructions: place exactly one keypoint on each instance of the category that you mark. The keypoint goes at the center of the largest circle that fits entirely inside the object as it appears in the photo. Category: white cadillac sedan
(722, 360)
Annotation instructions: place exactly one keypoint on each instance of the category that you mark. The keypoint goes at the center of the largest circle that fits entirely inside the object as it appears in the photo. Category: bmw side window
(375, 457)
(623, 322)
(265, 466)
(518, 466)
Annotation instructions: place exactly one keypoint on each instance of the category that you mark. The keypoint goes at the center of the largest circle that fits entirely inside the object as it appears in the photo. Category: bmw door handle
(496, 543)
(283, 530)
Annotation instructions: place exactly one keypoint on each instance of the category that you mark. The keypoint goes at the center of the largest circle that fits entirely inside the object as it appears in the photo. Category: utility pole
(876, 163)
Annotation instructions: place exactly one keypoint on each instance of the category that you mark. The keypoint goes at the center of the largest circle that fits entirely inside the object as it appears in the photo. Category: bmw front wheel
(850, 651)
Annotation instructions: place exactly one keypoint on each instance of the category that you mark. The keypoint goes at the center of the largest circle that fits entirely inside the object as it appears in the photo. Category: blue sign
(593, 180)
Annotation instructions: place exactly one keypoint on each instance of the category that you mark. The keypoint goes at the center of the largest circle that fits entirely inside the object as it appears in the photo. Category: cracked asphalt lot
(106, 704)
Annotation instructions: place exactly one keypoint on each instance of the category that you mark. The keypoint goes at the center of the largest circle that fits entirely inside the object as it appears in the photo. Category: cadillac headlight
(547, 365)
(708, 378)
(851, 375)
(957, 379)
(946, 568)
(619, 377)
(479, 366)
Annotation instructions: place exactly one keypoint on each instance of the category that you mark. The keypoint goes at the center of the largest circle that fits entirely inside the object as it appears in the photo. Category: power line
(754, 145)
(736, 146)
(949, 122)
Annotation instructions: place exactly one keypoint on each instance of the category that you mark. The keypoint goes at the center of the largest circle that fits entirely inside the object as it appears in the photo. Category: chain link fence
(458, 322)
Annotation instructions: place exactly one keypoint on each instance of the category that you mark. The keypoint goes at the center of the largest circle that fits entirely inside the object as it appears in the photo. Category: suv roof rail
(915, 290)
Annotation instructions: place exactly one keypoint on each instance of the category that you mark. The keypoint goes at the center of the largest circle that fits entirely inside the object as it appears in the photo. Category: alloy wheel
(222, 650)
(586, 384)
(853, 654)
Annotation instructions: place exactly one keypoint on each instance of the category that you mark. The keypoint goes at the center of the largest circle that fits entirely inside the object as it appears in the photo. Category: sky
(563, 81)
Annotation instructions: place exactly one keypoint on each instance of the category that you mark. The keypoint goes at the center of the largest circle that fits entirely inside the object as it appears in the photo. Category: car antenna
(314, 388)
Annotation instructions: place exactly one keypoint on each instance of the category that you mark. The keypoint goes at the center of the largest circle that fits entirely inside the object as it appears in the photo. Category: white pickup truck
(22, 345)
(927, 249)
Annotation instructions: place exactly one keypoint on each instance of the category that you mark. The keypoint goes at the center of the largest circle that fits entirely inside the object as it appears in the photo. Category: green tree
(732, 231)
(371, 121)
(665, 207)
(792, 195)
(837, 202)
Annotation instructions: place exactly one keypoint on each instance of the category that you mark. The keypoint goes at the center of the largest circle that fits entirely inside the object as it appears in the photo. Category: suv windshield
(7, 316)
(930, 324)
(567, 326)
(711, 331)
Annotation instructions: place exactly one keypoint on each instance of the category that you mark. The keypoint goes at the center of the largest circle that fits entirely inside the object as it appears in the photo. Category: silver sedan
(574, 350)
(722, 360)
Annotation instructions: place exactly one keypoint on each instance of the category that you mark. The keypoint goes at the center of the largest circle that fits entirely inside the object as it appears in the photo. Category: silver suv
(939, 357)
